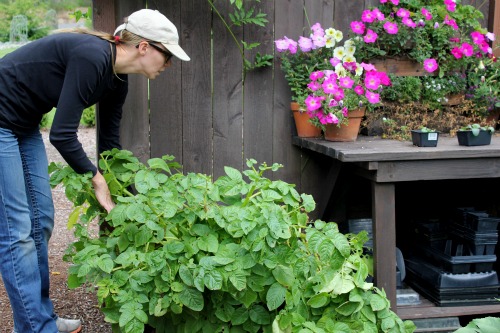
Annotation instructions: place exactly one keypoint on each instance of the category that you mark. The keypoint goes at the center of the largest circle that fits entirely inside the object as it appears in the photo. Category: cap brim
(177, 51)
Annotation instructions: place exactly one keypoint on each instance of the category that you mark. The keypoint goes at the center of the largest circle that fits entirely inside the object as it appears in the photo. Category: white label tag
(432, 136)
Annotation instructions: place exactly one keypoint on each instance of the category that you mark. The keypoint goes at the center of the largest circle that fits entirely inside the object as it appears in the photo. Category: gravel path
(76, 303)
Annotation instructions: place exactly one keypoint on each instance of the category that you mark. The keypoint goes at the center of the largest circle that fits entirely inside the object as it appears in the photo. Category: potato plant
(183, 253)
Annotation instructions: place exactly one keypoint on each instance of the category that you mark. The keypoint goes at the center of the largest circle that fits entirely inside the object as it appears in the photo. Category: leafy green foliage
(239, 17)
(481, 325)
(183, 253)
(476, 128)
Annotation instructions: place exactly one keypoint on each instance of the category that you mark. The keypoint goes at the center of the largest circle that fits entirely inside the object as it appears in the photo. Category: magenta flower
(383, 1)
(346, 82)
(317, 30)
(450, 5)
(350, 66)
(368, 16)
(451, 22)
(485, 47)
(367, 67)
(316, 75)
(359, 89)
(477, 37)
(395, 2)
(457, 52)
(318, 41)
(430, 65)
(402, 12)
(427, 14)
(391, 27)
(467, 49)
(332, 119)
(329, 86)
(312, 103)
(335, 61)
(357, 27)
(372, 81)
(408, 22)
(372, 97)
(338, 94)
(345, 112)
(305, 44)
(370, 37)
(313, 85)
(378, 14)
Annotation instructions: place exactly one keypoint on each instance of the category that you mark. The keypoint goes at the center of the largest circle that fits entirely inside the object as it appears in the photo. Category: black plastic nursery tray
(481, 221)
(457, 259)
(446, 289)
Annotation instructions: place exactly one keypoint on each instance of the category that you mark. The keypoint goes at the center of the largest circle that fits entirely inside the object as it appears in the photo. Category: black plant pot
(424, 139)
(466, 138)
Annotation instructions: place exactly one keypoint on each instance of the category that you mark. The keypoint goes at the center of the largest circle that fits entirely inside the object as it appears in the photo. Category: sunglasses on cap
(165, 53)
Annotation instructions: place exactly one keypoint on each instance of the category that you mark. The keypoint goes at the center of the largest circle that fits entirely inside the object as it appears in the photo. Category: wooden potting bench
(384, 163)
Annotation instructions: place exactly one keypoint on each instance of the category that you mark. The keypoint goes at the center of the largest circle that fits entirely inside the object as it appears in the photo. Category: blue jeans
(26, 223)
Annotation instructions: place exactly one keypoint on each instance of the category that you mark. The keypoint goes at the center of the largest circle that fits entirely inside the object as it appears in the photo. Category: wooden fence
(202, 111)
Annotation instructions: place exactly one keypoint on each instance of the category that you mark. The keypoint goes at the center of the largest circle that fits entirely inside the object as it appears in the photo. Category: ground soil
(75, 303)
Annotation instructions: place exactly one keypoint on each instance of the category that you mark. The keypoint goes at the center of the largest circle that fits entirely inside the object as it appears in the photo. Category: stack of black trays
(453, 263)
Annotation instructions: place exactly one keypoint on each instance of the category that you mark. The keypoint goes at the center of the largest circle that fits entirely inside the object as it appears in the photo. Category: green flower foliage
(184, 253)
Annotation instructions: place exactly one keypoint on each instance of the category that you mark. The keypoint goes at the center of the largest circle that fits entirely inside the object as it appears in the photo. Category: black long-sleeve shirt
(68, 71)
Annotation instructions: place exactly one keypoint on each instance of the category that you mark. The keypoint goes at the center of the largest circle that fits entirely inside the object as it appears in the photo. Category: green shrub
(238, 254)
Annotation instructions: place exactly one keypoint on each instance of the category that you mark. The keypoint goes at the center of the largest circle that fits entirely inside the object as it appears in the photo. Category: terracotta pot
(304, 128)
(348, 132)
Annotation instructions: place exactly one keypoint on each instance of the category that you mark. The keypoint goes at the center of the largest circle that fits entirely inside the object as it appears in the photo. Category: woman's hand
(102, 193)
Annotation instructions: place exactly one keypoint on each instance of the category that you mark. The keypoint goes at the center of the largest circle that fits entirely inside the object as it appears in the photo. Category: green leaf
(192, 298)
(238, 280)
(233, 173)
(275, 296)
(378, 303)
(105, 263)
(342, 244)
(259, 315)
(319, 300)
(284, 275)
(240, 316)
(213, 280)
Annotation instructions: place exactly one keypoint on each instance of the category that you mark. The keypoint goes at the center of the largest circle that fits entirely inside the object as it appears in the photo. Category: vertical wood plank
(258, 96)
(319, 11)
(494, 24)
(228, 94)
(384, 238)
(103, 15)
(166, 94)
(345, 12)
(196, 87)
(134, 131)
(288, 18)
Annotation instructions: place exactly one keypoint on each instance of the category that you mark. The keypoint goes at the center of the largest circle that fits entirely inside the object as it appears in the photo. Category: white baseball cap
(154, 26)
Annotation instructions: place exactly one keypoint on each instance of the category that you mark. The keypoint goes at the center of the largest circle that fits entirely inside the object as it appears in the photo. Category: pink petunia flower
(345, 112)
(457, 52)
(357, 27)
(427, 14)
(451, 22)
(312, 103)
(378, 14)
(335, 61)
(318, 41)
(317, 30)
(338, 94)
(395, 2)
(367, 67)
(383, 1)
(467, 49)
(368, 16)
(430, 65)
(477, 37)
(359, 89)
(370, 37)
(346, 82)
(450, 5)
(332, 119)
(372, 97)
(372, 81)
(316, 75)
(305, 44)
(329, 86)
(391, 27)
(490, 36)
(402, 12)
(408, 22)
